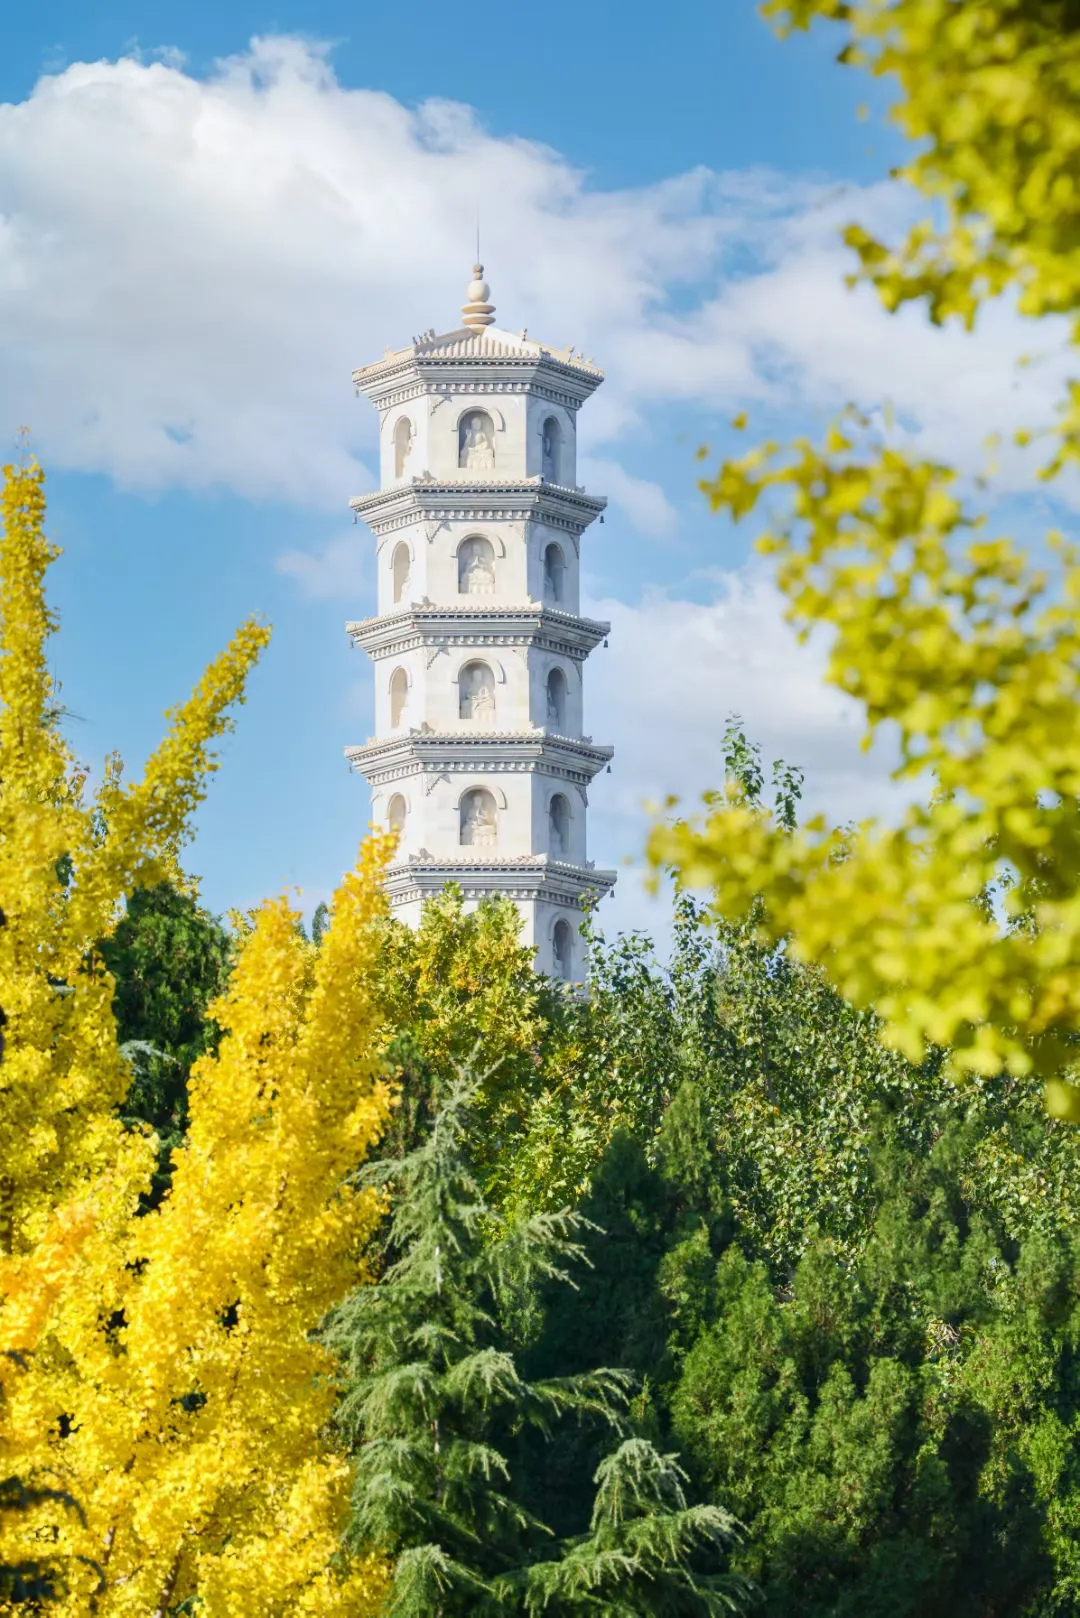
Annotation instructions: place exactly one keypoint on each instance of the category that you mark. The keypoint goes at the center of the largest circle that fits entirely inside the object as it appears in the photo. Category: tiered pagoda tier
(479, 757)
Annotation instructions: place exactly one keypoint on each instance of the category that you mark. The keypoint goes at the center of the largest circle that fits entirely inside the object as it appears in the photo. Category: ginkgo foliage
(165, 1376)
(960, 924)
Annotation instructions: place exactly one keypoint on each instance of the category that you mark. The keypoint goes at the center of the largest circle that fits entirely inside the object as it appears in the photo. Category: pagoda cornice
(527, 625)
(466, 362)
(477, 499)
(524, 876)
(382, 760)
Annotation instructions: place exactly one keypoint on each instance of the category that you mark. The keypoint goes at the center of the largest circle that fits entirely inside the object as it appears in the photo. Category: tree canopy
(960, 924)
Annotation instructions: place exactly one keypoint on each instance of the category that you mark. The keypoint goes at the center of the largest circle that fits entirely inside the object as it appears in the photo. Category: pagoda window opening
(479, 819)
(395, 814)
(562, 949)
(400, 569)
(476, 694)
(558, 827)
(554, 573)
(550, 449)
(476, 567)
(403, 443)
(556, 699)
(476, 442)
(399, 697)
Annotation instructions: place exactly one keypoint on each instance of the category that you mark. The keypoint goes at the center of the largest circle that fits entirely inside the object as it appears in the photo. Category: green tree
(846, 1419)
(434, 1398)
(460, 983)
(956, 637)
(811, 1209)
(170, 958)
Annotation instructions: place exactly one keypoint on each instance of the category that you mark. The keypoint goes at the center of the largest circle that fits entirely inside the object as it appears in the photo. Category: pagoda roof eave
(526, 876)
(465, 349)
(508, 499)
(425, 624)
(464, 751)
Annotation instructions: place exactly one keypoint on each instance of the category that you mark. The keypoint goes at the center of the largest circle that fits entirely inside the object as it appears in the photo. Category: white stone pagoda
(479, 757)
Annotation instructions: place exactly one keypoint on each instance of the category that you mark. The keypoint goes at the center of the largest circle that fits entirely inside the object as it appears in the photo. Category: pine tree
(434, 1398)
(170, 958)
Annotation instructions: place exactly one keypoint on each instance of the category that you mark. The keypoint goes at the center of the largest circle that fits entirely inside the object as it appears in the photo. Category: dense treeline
(843, 1290)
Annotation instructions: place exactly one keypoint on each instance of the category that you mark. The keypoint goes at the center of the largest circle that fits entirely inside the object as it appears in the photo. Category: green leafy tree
(811, 1209)
(849, 1421)
(959, 639)
(320, 921)
(170, 958)
(435, 1398)
(461, 982)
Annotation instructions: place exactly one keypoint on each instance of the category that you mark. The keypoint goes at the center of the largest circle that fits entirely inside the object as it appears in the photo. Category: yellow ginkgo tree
(162, 1371)
(960, 924)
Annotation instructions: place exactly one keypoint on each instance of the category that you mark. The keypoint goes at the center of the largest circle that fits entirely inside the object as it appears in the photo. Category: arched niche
(551, 447)
(476, 442)
(559, 827)
(556, 694)
(478, 819)
(404, 437)
(400, 565)
(476, 694)
(396, 811)
(562, 949)
(399, 697)
(476, 566)
(554, 573)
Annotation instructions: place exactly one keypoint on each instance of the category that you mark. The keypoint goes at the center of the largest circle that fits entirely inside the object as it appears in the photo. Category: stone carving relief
(476, 442)
(479, 819)
(476, 694)
(476, 567)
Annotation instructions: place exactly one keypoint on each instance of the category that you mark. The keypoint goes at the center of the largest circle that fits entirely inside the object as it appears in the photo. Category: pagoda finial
(477, 312)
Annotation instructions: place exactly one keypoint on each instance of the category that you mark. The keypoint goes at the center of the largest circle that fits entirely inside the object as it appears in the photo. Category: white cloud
(674, 669)
(336, 572)
(189, 269)
(644, 504)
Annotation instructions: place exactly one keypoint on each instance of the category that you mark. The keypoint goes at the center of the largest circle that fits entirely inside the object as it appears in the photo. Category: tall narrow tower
(478, 756)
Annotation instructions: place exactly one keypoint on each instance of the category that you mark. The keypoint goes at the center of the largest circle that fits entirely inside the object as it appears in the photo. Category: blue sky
(201, 236)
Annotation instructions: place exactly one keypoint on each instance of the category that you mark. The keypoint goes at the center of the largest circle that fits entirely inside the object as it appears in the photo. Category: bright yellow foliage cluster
(170, 1385)
(991, 91)
(961, 925)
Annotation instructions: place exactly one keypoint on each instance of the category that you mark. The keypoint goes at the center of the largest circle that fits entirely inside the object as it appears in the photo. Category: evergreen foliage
(435, 1401)
(848, 1290)
(169, 958)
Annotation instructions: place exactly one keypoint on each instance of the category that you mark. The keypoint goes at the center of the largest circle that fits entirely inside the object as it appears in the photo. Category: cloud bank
(190, 268)
(672, 673)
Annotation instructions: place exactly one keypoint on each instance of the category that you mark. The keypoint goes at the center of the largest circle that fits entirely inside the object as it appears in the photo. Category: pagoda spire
(476, 311)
